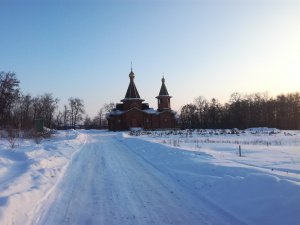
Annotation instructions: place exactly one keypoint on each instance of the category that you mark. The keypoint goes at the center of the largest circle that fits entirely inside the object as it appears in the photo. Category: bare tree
(188, 116)
(201, 107)
(101, 117)
(22, 112)
(66, 117)
(76, 110)
(49, 105)
(44, 107)
(59, 120)
(109, 107)
(99, 121)
(87, 122)
(9, 93)
(37, 108)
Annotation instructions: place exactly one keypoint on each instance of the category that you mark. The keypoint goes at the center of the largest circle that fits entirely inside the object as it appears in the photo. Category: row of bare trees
(27, 108)
(73, 116)
(99, 121)
(244, 111)
(20, 110)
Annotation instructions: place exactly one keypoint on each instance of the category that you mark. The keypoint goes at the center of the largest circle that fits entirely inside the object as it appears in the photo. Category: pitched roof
(163, 89)
(132, 92)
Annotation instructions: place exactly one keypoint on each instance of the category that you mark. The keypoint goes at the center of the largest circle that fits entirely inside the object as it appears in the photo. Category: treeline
(20, 110)
(244, 111)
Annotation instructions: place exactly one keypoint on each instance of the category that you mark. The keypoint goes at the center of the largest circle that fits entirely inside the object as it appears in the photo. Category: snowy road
(109, 183)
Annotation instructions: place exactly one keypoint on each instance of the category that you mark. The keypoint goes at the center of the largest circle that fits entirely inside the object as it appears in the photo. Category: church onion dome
(131, 74)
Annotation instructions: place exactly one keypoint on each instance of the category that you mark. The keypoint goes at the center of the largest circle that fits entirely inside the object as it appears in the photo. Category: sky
(84, 49)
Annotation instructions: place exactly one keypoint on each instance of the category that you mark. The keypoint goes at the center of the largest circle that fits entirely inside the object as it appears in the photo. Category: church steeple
(164, 102)
(132, 92)
(132, 98)
(163, 89)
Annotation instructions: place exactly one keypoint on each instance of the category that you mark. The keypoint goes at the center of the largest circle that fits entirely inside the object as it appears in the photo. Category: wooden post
(19, 129)
(240, 151)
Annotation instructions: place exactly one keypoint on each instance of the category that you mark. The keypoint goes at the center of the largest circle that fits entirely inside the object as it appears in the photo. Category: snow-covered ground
(30, 172)
(99, 177)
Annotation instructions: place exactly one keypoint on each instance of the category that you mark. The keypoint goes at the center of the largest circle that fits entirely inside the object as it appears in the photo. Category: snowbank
(29, 172)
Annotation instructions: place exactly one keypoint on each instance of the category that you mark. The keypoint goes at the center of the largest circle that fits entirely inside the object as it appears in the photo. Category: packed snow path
(109, 183)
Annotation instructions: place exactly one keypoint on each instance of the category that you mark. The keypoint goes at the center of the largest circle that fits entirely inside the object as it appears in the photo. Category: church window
(166, 120)
(134, 105)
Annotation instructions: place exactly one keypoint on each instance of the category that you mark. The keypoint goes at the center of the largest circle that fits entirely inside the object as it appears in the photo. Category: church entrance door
(133, 122)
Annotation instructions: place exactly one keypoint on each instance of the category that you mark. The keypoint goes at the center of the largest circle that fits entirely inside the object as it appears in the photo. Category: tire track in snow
(107, 183)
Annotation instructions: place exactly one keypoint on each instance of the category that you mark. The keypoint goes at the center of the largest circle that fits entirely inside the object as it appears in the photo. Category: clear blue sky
(205, 48)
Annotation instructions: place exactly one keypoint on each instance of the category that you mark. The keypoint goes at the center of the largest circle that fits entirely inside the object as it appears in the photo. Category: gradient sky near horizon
(204, 48)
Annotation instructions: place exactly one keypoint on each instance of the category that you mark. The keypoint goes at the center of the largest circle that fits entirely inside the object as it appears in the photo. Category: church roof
(163, 89)
(148, 111)
(132, 92)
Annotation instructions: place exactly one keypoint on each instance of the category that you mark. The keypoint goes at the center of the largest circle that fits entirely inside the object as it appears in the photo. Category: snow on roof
(150, 111)
(116, 112)
(107, 115)
(119, 112)
(132, 99)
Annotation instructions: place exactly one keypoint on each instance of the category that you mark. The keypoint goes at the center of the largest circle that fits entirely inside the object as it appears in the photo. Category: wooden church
(132, 112)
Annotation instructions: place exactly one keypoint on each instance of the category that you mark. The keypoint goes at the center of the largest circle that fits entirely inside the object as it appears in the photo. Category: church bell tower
(163, 98)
